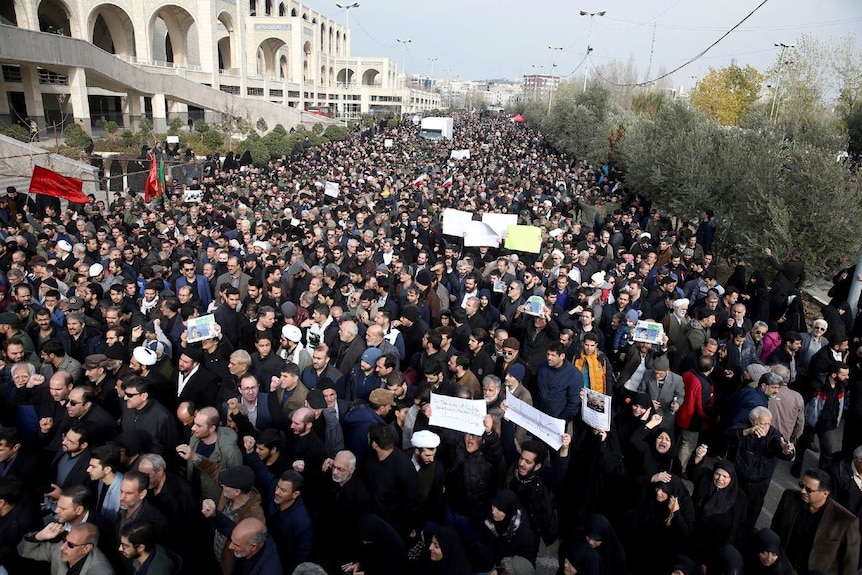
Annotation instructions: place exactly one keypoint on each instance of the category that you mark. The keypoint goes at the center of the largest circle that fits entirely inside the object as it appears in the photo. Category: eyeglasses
(819, 328)
(760, 333)
(128, 394)
(74, 403)
(807, 489)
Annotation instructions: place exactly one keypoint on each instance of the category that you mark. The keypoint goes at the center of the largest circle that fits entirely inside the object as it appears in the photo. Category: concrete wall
(17, 160)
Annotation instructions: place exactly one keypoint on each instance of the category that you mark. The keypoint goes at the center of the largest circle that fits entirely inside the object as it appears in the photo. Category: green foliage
(145, 129)
(649, 103)
(111, 127)
(853, 123)
(725, 94)
(317, 128)
(261, 125)
(278, 145)
(201, 127)
(129, 138)
(175, 125)
(765, 190)
(76, 137)
(392, 123)
(212, 139)
(17, 132)
(279, 129)
(335, 133)
(580, 123)
(259, 153)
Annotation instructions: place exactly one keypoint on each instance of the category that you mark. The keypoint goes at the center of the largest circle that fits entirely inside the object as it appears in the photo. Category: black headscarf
(382, 551)
(584, 559)
(454, 561)
(507, 502)
(709, 499)
(611, 551)
(766, 540)
(727, 561)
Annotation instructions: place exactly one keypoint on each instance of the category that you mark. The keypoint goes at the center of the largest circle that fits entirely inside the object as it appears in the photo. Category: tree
(648, 103)
(76, 137)
(725, 94)
(213, 140)
(261, 125)
(201, 127)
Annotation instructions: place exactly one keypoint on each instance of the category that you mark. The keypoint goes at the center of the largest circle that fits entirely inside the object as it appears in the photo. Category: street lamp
(432, 60)
(404, 56)
(346, 8)
(589, 39)
(773, 113)
(554, 50)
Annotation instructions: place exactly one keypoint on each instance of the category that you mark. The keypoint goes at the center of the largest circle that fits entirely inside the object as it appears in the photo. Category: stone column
(78, 98)
(132, 110)
(160, 114)
(33, 94)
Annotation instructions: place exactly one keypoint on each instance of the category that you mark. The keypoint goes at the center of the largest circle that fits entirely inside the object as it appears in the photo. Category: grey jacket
(673, 387)
(95, 564)
(226, 454)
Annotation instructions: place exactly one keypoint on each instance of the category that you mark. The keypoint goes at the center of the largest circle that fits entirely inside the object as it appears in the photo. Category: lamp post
(432, 60)
(346, 8)
(589, 39)
(554, 50)
(773, 113)
(404, 43)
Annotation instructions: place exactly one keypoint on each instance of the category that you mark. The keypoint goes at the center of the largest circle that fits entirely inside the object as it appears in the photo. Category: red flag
(50, 183)
(153, 188)
(418, 181)
(447, 183)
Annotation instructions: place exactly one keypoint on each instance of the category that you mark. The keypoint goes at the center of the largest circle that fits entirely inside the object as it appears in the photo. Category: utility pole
(773, 113)
(589, 40)
(651, 52)
(346, 8)
(554, 50)
(404, 93)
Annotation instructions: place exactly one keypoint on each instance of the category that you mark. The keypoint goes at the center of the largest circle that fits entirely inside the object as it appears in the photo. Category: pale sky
(482, 39)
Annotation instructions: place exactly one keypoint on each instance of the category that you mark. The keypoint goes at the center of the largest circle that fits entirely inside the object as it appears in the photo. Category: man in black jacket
(392, 480)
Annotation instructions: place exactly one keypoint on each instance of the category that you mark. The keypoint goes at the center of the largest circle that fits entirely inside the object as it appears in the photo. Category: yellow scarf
(596, 370)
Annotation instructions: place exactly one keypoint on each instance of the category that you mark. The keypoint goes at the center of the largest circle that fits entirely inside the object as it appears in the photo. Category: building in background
(539, 86)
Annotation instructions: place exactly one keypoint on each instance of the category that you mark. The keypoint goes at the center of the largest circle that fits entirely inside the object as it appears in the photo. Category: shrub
(212, 139)
(129, 138)
(111, 127)
(76, 137)
(279, 129)
(261, 125)
(335, 133)
(317, 128)
(17, 132)
(174, 126)
(259, 153)
(201, 127)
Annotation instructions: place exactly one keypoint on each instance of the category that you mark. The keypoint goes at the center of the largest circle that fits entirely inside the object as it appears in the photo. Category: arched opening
(305, 16)
(344, 50)
(330, 40)
(282, 9)
(372, 77)
(174, 37)
(226, 40)
(331, 75)
(268, 7)
(345, 76)
(252, 7)
(266, 57)
(314, 20)
(112, 30)
(293, 13)
(9, 14)
(283, 67)
(55, 18)
(306, 53)
(322, 38)
(323, 75)
(338, 43)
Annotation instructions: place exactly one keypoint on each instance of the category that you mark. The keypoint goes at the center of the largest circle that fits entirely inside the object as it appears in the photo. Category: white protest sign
(172, 139)
(596, 410)
(541, 425)
(331, 189)
(460, 154)
(455, 222)
(500, 222)
(465, 415)
(480, 234)
(388, 142)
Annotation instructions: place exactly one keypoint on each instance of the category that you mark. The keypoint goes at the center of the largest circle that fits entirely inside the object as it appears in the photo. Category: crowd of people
(243, 385)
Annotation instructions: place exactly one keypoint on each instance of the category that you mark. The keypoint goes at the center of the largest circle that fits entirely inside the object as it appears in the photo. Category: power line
(781, 27)
(578, 67)
(690, 60)
(645, 22)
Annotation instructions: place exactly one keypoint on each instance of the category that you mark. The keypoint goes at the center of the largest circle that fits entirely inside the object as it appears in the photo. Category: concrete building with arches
(91, 61)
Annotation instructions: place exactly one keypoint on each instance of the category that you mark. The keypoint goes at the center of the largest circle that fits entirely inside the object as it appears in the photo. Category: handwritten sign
(460, 154)
(541, 425)
(596, 410)
(465, 415)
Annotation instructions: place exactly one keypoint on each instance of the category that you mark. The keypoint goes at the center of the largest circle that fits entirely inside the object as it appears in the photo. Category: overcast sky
(482, 39)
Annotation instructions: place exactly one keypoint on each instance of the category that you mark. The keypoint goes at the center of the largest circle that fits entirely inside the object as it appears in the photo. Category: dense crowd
(292, 434)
